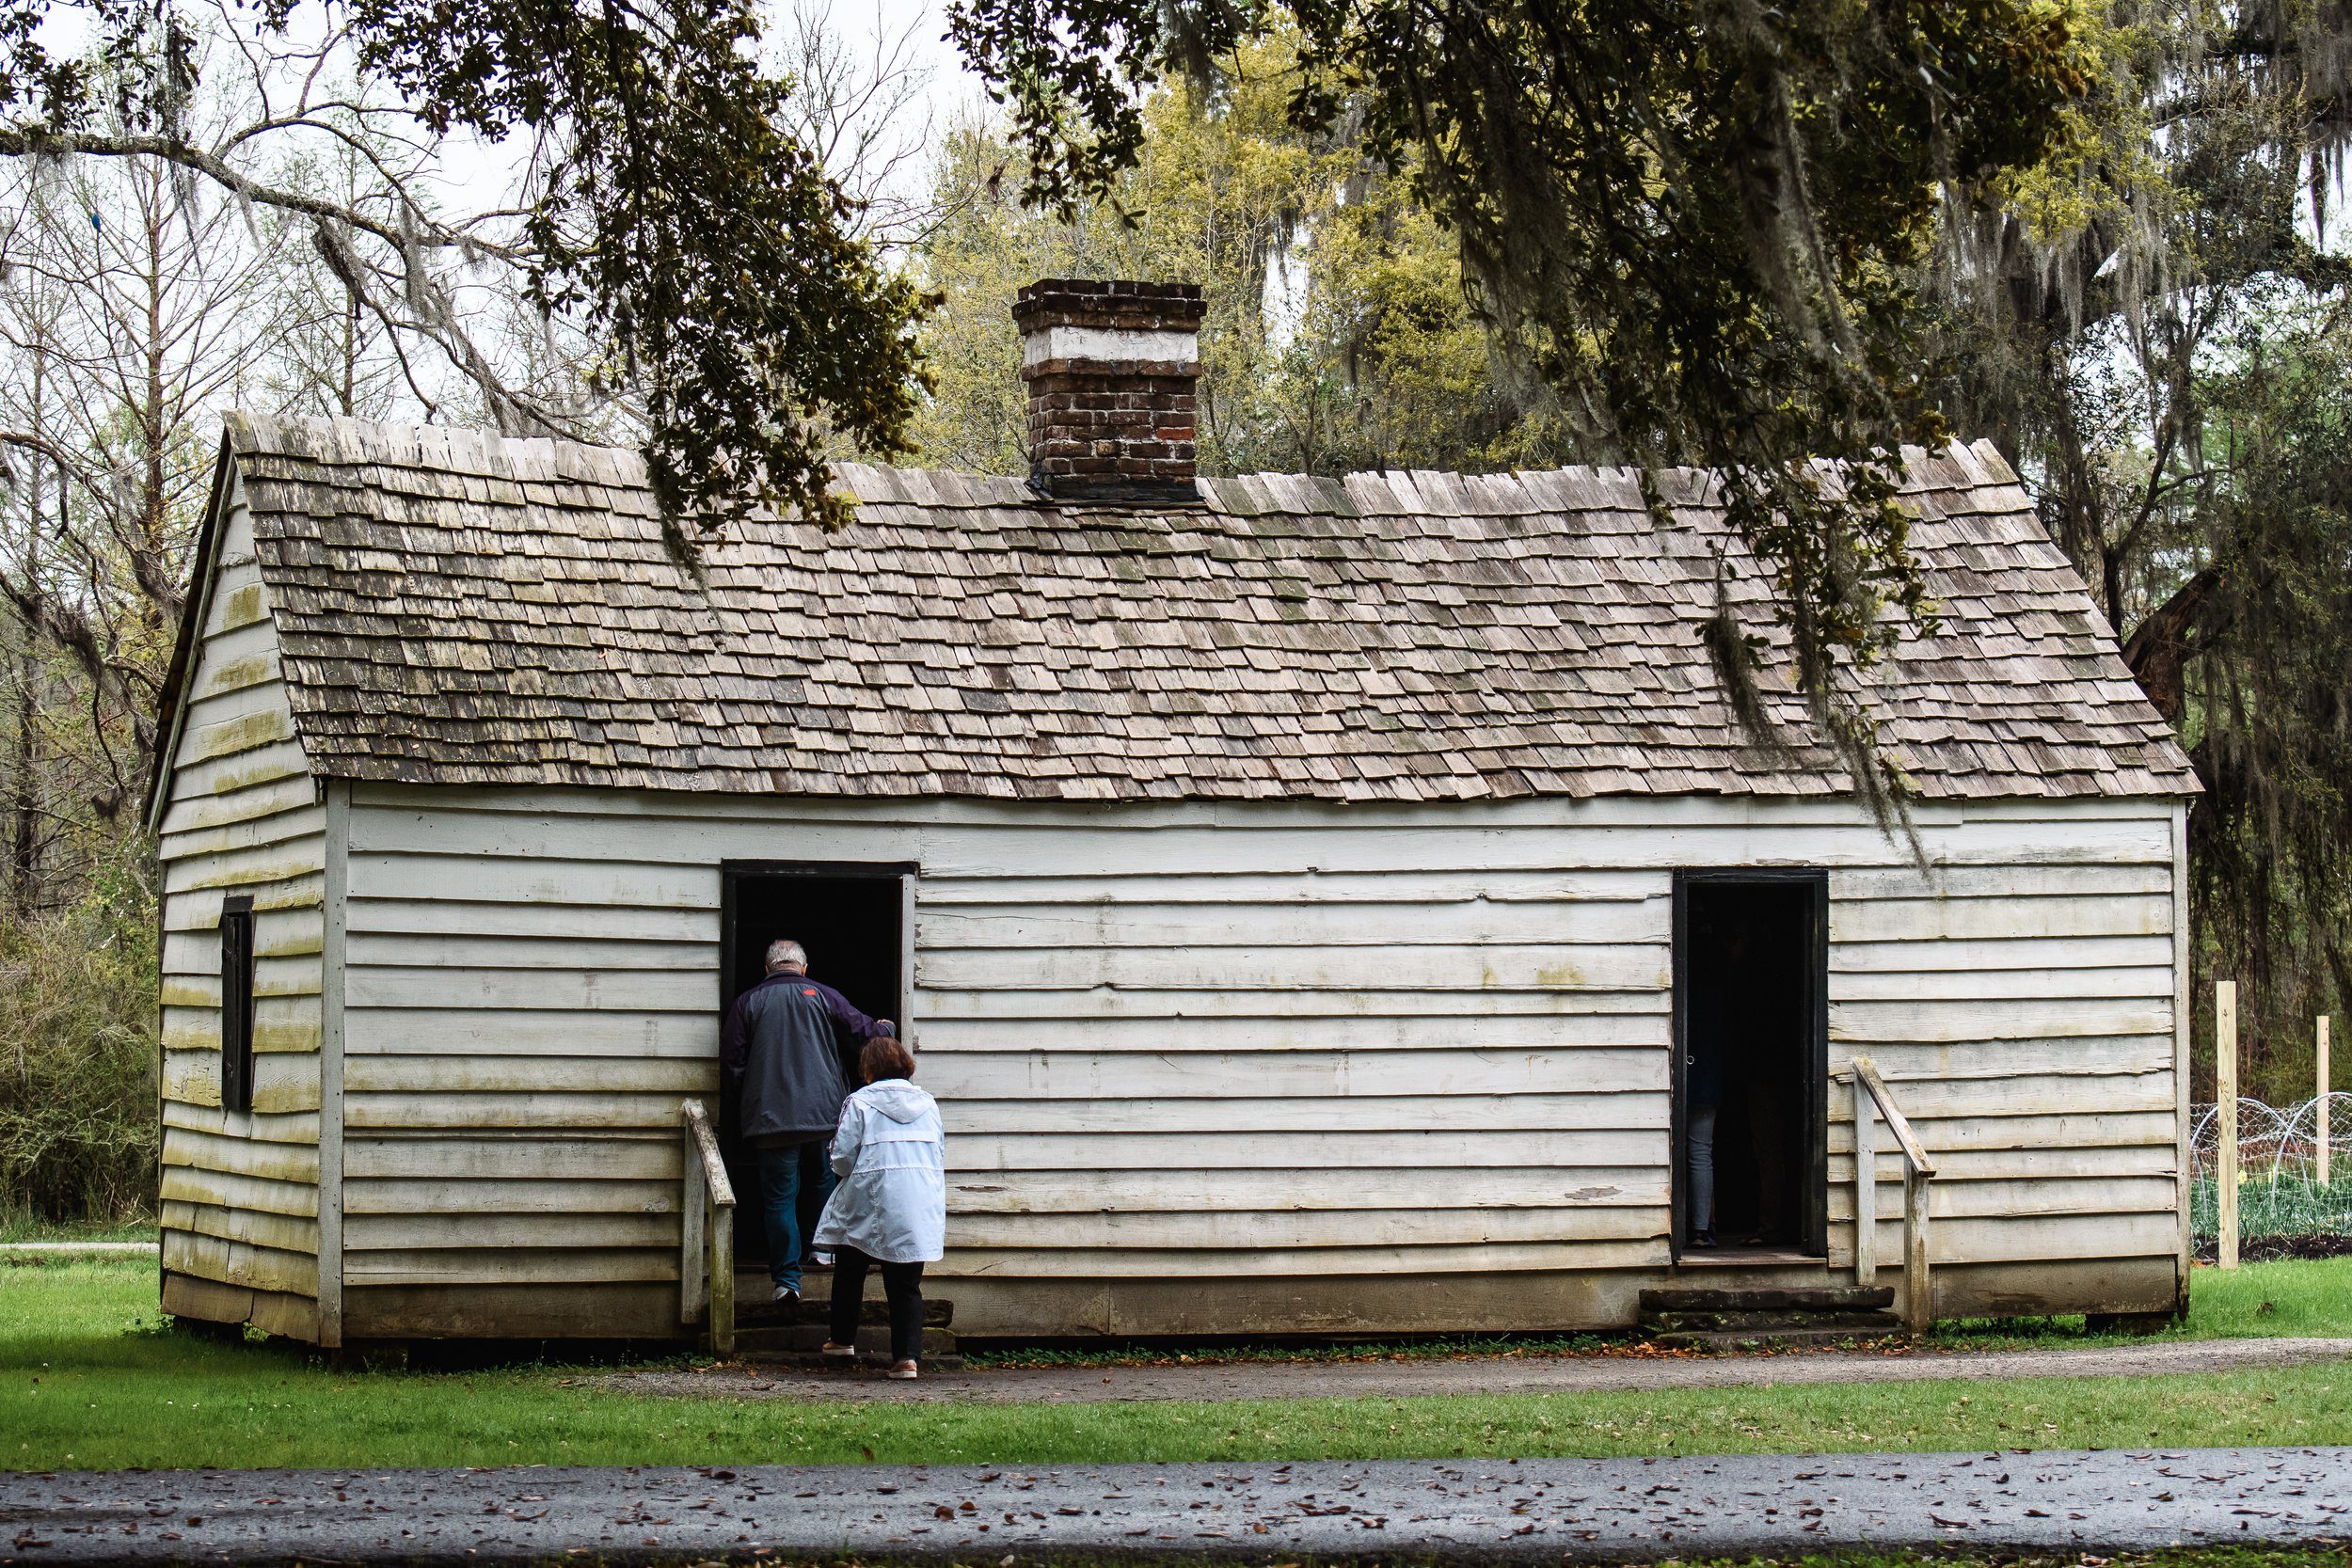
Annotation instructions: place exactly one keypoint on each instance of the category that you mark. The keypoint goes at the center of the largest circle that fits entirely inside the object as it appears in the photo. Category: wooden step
(1872, 1323)
(1768, 1298)
(1775, 1339)
(759, 1310)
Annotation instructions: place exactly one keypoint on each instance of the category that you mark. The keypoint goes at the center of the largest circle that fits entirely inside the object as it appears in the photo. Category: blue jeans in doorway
(782, 1172)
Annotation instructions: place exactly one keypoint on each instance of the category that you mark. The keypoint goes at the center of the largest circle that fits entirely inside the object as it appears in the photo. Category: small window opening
(236, 1003)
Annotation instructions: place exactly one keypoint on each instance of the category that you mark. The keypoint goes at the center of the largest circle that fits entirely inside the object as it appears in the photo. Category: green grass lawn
(90, 1378)
(17, 1225)
(2261, 1301)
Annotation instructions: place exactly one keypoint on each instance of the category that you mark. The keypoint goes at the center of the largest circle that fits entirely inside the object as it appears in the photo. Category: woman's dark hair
(884, 1057)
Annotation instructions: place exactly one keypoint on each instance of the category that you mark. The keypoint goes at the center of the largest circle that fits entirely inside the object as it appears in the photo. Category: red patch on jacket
(805, 992)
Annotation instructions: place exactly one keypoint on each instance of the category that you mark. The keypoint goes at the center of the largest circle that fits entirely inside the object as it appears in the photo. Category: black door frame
(903, 872)
(1814, 1237)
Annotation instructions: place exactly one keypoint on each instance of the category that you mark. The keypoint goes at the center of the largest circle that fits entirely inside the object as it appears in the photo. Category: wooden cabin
(1295, 888)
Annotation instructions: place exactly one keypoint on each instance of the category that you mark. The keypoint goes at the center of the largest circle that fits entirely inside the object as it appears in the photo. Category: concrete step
(1749, 1322)
(796, 1338)
(1768, 1298)
(1775, 1339)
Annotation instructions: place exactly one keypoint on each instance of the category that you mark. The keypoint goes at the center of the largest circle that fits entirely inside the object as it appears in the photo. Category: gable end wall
(240, 814)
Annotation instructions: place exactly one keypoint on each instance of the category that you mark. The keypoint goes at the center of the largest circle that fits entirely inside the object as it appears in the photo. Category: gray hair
(786, 952)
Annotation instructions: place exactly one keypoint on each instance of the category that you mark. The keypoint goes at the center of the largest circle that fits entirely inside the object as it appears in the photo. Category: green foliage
(674, 214)
(2148, 323)
(1698, 221)
(78, 1055)
(1339, 336)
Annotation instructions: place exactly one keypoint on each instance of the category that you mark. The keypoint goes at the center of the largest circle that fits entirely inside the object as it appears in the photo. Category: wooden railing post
(1866, 1182)
(706, 1235)
(1918, 1289)
(722, 1279)
(693, 1297)
(2225, 1113)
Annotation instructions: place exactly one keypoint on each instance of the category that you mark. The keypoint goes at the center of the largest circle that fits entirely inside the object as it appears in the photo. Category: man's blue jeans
(780, 1180)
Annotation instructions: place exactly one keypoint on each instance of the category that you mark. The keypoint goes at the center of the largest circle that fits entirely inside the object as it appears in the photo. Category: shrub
(78, 1056)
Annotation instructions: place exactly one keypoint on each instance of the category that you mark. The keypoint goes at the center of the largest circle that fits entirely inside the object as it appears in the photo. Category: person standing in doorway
(891, 1207)
(777, 1050)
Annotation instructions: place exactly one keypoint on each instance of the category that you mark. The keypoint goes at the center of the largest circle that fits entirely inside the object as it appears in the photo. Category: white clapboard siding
(2030, 954)
(543, 1195)
(2027, 1195)
(1354, 1150)
(1396, 1112)
(517, 1160)
(1563, 1005)
(377, 921)
(2022, 1163)
(234, 1262)
(1630, 1019)
(591, 1230)
(2066, 1056)
(1247, 1258)
(1362, 971)
(240, 814)
(443, 1073)
(1197, 1230)
(1224, 1075)
(2072, 1129)
(1276, 1189)
(479, 1260)
(225, 1190)
(1473, 924)
(480, 1030)
(1191, 1040)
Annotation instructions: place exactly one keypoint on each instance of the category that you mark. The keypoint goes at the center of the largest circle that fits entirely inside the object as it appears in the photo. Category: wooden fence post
(2225, 1111)
(2324, 1078)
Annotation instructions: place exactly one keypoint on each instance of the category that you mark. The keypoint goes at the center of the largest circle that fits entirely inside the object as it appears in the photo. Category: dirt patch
(1315, 1380)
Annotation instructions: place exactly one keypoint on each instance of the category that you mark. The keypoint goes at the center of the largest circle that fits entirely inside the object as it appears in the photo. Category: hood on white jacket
(895, 1098)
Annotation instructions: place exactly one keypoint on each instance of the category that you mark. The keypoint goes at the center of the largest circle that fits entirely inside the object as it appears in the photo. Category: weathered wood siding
(241, 815)
(1204, 1043)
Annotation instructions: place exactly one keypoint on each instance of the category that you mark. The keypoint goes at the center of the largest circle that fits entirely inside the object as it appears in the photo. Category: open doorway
(850, 917)
(1751, 1023)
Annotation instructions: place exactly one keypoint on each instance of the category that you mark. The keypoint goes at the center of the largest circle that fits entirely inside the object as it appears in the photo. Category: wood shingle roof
(454, 607)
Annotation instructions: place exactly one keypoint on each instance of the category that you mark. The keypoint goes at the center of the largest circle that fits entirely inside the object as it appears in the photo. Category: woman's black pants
(901, 1282)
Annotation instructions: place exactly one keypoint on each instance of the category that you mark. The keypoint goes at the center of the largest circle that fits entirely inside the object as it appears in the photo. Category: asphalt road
(1482, 1510)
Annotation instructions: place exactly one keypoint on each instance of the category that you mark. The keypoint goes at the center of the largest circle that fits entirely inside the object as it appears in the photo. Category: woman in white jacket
(891, 1206)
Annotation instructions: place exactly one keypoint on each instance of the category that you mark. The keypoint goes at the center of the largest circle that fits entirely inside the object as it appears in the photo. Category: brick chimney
(1110, 369)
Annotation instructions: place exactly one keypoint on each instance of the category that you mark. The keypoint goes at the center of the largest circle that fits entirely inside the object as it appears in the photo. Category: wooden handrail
(1871, 1100)
(1866, 1073)
(705, 1233)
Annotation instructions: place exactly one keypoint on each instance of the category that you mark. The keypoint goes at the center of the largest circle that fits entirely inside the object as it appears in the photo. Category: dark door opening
(1750, 1022)
(850, 917)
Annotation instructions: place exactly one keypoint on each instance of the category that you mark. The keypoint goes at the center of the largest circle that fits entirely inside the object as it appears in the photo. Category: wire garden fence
(2285, 1209)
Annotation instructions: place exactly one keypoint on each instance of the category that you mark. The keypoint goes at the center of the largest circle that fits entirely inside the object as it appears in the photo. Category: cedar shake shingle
(458, 608)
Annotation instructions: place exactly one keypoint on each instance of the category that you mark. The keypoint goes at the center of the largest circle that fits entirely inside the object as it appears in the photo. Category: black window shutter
(236, 1003)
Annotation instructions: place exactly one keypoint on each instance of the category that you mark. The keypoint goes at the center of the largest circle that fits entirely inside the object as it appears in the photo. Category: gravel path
(1501, 1374)
(1485, 1510)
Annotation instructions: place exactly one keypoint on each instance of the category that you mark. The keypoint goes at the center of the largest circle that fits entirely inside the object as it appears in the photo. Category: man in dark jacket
(778, 1052)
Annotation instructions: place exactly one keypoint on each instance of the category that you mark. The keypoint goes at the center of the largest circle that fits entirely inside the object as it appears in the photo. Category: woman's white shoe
(904, 1369)
(843, 1352)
